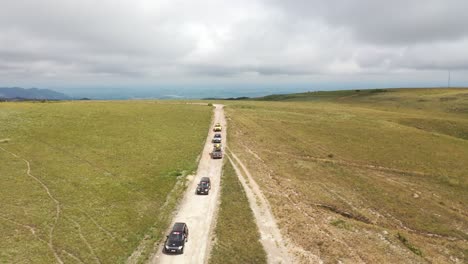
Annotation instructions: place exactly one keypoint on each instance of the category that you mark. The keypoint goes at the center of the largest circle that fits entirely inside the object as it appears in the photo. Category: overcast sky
(145, 43)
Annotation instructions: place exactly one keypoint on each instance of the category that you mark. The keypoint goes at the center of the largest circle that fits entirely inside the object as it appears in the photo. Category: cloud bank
(147, 42)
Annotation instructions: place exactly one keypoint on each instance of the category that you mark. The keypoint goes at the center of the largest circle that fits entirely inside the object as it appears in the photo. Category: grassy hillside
(451, 100)
(374, 176)
(237, 236)
(100, 179)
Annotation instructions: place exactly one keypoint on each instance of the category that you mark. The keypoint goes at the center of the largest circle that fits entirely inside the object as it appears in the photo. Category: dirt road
(198, 211)
(271, 238)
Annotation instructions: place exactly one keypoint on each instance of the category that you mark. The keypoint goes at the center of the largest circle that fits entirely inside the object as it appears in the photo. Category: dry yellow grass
(360, 176)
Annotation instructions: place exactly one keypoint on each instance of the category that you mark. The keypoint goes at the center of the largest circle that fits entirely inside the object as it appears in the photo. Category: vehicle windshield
(203, 184)
(176, 236)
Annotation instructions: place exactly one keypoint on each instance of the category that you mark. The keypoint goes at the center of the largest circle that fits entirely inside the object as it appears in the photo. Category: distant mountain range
(31, 94)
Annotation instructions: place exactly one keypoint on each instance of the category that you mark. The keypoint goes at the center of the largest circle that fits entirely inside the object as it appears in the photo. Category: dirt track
(271, 238)
(198, 211)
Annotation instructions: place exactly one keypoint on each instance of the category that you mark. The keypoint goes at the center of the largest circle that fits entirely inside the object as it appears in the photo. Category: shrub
(407, 244)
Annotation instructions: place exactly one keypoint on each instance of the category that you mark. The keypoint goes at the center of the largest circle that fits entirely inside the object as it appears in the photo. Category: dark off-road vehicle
(175, 241)
(216, 140)
(216, 154)
(217, 135)
(204, 186)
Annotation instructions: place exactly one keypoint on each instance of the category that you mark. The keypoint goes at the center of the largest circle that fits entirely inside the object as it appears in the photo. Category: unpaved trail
(271, 238)
(198, 211)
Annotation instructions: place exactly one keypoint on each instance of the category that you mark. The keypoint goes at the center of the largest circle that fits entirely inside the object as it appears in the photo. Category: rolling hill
(373, 176)
(31, 94)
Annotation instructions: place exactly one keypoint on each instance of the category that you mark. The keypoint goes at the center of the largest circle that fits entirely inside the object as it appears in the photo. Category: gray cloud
(147, 41)
(388, 22)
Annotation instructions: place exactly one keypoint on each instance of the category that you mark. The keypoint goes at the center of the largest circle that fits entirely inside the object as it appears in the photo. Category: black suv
(217, 135)
(175, 242)
(204, 186)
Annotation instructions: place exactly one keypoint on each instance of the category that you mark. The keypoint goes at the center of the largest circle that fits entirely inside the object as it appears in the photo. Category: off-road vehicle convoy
(217, 152)
(204, 186)
(175, 241)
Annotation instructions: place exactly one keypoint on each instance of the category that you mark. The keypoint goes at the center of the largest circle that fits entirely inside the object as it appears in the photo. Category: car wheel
(182, 251)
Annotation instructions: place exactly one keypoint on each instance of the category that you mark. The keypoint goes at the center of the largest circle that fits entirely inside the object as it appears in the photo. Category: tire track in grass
(72, 256)
(31, 229)
(83, 238)
(33, 232)
(104, 230)
(299, 206)
(57, 204)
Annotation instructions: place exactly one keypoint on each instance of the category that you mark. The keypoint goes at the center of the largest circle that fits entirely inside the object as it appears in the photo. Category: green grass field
(109, 167)
(237, 236)
(360, 164)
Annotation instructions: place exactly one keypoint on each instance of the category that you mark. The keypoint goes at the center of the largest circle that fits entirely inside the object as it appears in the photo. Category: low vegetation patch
(453, 128)
(407, 244)
(340, 224)
(237, 236)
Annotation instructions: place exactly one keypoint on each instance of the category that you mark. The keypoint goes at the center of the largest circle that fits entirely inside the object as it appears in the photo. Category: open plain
(371, 176)
(89, 182)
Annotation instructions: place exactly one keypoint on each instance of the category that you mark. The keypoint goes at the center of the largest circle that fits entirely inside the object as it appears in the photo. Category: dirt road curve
(198, 211)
